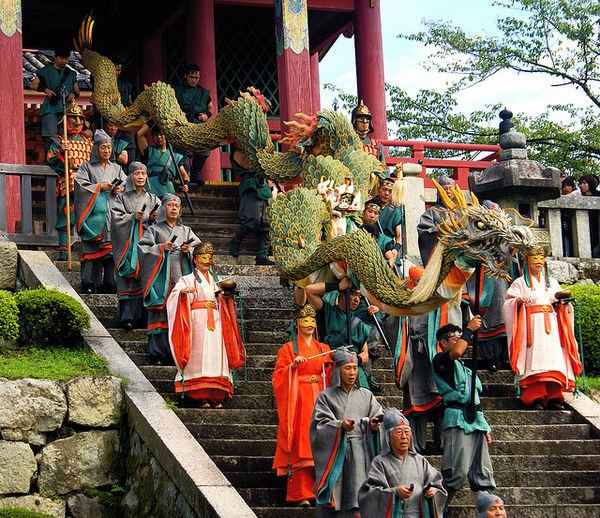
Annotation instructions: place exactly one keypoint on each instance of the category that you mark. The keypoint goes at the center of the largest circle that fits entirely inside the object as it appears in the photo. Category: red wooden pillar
(200, 42)
(368, 47)
(152, 61)
(293, 59)
(12, 115)
(315, 83)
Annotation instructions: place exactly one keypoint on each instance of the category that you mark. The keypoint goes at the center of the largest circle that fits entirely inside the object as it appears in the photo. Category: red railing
(460, 168)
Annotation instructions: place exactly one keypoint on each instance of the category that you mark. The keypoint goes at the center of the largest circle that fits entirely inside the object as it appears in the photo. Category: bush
(9, 321)
(49, 317)
(588, 296)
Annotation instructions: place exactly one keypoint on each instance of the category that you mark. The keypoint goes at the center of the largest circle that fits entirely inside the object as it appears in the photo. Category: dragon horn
(443, 196)
(474, 200)
(459, 197)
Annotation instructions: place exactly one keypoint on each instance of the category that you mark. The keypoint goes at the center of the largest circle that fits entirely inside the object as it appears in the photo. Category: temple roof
(34, 60)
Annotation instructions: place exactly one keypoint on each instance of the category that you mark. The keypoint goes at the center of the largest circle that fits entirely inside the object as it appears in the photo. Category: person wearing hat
(78, 148)
(490, 506)
(326, 297)
(303, 369)
(361, 119)
(344, 437)
(97, 183)
(53, 79)
(466, 433)
(401, 482)
(542, 348)
(133, 211)
(203, 332)
(427, 229)
(119, 145)
(165, 256)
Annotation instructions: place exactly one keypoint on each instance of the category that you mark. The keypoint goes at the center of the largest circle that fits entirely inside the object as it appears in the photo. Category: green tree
(558, 38)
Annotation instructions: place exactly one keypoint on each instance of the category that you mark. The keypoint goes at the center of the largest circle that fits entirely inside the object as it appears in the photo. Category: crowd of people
(337, 446)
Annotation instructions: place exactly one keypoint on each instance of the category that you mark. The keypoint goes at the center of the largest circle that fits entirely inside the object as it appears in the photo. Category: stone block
(32, 404)
(563, 272)
(94, 401)
(88, 459)
(512, 140)
(8, 265)
(81, 506)
(510, 154)
(29, 436)
(17, 467)
(35, 503)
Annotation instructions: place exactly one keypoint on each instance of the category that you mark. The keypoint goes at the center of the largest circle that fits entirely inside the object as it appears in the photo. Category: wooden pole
(67, 181)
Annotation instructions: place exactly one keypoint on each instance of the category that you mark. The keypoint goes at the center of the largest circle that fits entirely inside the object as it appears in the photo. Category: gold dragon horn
(474, 200)
(443, 196)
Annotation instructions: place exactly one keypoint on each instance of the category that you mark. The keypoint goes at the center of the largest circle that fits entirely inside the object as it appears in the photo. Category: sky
(403, 60)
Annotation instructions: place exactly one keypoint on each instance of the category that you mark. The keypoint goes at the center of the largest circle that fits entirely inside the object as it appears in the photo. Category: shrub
(9, 321)
(588, 296)
(49, 317)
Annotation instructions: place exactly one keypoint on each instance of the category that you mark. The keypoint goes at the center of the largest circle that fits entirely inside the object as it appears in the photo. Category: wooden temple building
(274, 45)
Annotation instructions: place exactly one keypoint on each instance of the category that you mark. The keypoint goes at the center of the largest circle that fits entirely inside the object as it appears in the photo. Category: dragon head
(479, 233)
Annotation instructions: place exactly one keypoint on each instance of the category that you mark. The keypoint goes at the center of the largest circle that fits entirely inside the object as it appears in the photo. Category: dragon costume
(301, 218)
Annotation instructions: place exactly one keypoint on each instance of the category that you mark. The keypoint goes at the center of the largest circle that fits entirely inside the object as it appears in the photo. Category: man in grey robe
(132, 213)
(165, 256)
(401, 483)
(490, 506)
(97, 183)
(344, 437)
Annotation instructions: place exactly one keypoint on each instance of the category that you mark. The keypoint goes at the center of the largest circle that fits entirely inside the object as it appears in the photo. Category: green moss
(14, 512)
(55, 364)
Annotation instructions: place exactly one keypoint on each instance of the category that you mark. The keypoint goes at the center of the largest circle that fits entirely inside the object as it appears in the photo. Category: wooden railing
(24, 234)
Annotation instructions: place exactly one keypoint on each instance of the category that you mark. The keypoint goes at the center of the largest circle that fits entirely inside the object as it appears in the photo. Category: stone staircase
(546, 463)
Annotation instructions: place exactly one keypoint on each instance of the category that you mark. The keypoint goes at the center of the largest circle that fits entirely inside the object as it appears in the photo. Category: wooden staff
(67, 178)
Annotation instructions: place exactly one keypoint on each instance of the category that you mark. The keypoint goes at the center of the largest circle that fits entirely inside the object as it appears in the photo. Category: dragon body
(301, 218)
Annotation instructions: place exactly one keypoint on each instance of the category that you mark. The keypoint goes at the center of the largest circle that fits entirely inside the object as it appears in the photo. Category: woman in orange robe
(301, 372)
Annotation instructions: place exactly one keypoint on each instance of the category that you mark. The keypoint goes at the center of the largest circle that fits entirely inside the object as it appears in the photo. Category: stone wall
(60, 446)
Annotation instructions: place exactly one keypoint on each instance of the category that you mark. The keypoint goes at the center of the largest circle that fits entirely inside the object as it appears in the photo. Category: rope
(240, 305)
(583, 386)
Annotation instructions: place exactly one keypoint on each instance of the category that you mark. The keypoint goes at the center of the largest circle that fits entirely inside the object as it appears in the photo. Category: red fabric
(567, 339)
(105, 250)
(296, 392)
(231, 333)
(300, 485)
(215, 390)
(181, 335)
(541, 389)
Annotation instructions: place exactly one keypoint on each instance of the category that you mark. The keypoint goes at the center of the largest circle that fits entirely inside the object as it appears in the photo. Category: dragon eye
(481, 225)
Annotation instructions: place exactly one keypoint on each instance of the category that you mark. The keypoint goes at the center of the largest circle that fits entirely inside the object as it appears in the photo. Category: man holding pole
(68, 151)
(303, 369)
(466, 433)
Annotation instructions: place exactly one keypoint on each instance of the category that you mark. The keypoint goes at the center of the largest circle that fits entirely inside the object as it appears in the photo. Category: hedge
(9, 321)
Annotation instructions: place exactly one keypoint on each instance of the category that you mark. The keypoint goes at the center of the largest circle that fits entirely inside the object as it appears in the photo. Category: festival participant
(344, 437)
(203, 332)
(78, 148)
(466, 455)
(490, 506)
(97, 183)
(197, 105)
(301, 372)
(164, 253)
(53, 79)
(255, 194)
(427, 229)
(542, 349)
(333, 304)
(414, 346)
(119, 145)
(132, 212)
(162, 173)
(361, 119)
(400, 482)
(390, 216)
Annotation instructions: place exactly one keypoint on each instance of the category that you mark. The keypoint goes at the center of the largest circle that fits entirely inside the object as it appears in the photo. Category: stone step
(500, 432)
(466, 511)
(525, 447)
(254, 416)
(502, 463)
(516, 495)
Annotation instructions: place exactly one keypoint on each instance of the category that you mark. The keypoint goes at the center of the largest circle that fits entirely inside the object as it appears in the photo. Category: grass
(56, 363)
(592, 382)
